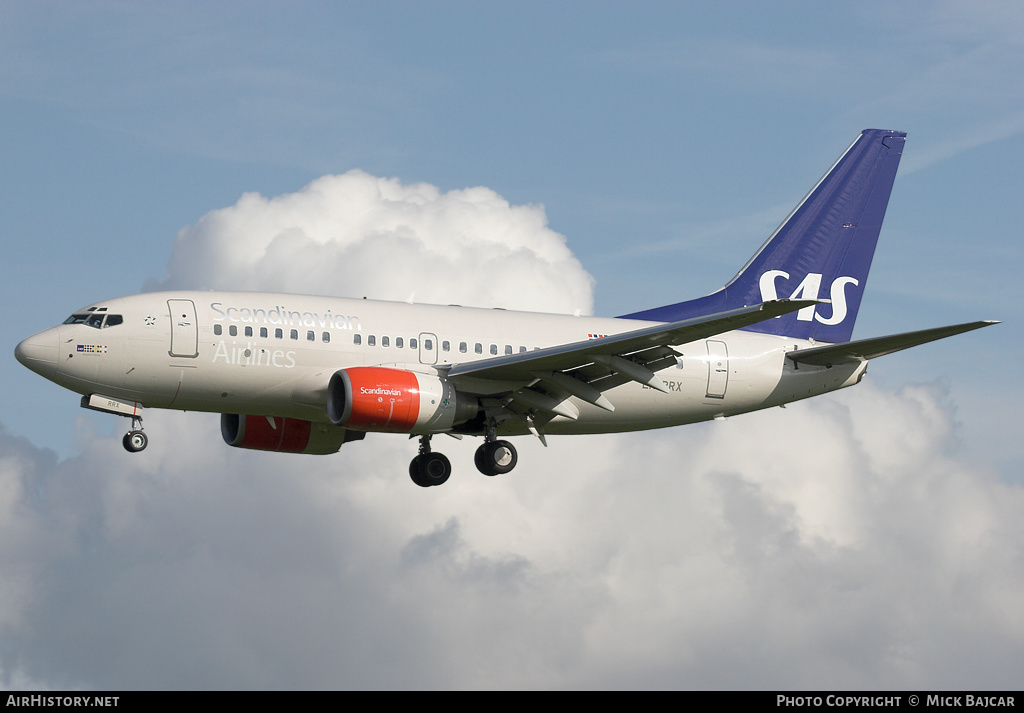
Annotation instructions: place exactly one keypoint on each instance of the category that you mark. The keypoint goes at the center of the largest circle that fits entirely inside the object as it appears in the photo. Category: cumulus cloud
(843, 542)
(357, 235)
(838, 543)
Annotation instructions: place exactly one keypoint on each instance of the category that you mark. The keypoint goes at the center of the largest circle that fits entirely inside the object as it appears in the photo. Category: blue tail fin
(823, 250)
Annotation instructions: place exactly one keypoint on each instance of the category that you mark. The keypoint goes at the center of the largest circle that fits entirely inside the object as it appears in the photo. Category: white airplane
(304, 374)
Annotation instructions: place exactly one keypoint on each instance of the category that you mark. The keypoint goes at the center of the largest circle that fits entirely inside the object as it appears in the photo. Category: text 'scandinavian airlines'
(304, 374)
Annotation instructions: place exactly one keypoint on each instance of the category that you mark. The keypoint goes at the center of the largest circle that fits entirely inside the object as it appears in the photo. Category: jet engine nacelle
(372, 398)
(283, 435)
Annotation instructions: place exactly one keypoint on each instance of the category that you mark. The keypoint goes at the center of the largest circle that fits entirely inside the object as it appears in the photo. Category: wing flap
(654, 359)
(576, 387)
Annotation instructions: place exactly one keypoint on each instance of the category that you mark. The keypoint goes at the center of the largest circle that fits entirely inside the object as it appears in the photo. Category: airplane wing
(865, 349)
(537, 385)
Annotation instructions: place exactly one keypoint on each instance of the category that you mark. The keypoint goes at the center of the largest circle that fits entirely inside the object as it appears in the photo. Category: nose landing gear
(135, 440)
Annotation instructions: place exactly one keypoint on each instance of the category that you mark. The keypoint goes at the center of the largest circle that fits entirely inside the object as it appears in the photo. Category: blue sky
(664, 141)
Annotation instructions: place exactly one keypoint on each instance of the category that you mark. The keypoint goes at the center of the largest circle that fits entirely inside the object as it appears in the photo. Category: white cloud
(842, 542)
(837, 543)
(357, 235)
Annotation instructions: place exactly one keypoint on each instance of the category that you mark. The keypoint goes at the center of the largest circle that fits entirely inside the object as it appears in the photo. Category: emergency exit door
(718, 369)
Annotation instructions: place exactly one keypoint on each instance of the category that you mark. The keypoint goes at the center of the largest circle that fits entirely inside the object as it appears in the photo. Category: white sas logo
(808, 290)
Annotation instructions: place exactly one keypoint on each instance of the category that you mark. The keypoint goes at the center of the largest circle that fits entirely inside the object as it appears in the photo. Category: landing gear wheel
(495, 457)
(429, 469)
(135, 441)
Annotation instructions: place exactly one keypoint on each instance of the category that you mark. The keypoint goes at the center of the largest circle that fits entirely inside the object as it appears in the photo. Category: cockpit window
(97, 320)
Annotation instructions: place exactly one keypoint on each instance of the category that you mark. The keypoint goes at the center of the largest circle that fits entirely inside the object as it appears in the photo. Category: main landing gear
(429, 468)
(494, 457)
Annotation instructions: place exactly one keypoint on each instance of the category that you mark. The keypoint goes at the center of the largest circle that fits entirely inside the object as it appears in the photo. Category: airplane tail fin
(822, 250)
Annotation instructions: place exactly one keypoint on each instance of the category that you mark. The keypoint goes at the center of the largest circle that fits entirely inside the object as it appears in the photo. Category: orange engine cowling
(373, 398)
(283, 435)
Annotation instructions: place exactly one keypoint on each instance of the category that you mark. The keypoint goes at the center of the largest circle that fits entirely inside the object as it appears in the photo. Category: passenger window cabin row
(218, 330)
(371, 340)
(428, 345)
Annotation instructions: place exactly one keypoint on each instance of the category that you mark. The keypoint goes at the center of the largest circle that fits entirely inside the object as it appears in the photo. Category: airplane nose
(39, 353)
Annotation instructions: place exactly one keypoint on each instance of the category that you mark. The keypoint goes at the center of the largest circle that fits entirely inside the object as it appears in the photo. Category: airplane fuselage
(274, 354)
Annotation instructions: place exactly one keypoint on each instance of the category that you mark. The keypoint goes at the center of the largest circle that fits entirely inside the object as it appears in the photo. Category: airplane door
(428, 348)
(184, 331)
(718, 369)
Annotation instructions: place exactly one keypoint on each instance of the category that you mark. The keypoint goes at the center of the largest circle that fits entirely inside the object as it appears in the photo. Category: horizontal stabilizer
(864, 349)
